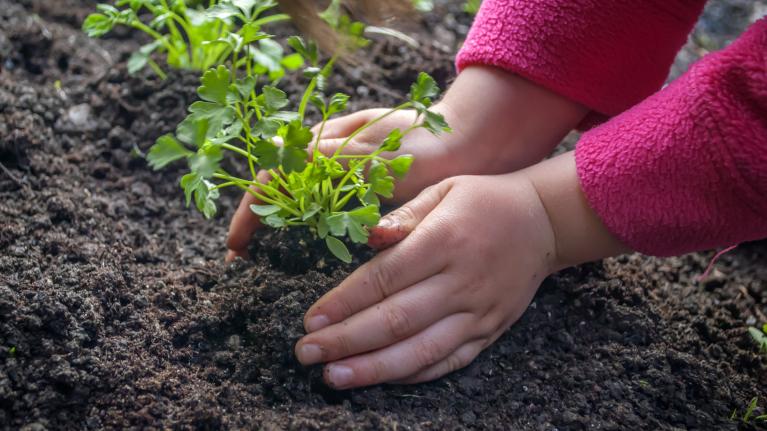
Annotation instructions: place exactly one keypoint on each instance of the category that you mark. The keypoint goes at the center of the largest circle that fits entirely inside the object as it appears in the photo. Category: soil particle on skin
(116, 310)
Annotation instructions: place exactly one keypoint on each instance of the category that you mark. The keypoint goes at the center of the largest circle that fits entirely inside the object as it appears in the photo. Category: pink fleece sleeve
(605, 54)
(686, 169)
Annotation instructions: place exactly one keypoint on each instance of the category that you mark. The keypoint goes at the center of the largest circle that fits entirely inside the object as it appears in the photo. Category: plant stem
(272, 18)
(246, 185)
(157, 69)
(138, 25)
(369, 124)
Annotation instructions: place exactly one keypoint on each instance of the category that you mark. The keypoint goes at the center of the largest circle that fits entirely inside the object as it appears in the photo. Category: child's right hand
(501, 123)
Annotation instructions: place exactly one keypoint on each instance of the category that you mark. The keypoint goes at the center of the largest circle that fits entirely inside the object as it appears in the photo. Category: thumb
(397, 225)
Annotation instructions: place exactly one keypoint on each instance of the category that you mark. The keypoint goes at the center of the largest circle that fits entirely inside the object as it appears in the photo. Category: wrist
(502, 122)
(580, 236)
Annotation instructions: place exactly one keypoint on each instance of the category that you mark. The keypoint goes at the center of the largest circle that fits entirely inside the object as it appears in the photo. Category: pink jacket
(679, 170)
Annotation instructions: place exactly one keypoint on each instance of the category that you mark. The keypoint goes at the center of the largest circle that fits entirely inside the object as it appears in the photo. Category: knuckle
(455, 362)
(345, 307)
(380, 277)
(404, 214)
(397, 322)
(377, 374)
(342, 347)
(427, 353)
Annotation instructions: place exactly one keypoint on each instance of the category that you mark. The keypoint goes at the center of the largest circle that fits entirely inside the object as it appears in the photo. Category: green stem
(246, 185)
(222, 185)
(239, 151)
(272, 18)
(368, 125)
(316, 151)
(157, 69)
(138, 25)
(312, 85)
(248, 144)
(305, 98)
(341, 203)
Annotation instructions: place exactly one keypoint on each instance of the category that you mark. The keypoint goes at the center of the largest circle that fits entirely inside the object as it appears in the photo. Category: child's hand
(500, 123)
(476, 252)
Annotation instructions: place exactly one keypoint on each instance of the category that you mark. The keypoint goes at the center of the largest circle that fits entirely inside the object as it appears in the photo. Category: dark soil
(117, 311)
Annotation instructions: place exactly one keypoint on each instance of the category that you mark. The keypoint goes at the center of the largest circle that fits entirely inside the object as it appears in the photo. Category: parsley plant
(336, 196)
(196, 38)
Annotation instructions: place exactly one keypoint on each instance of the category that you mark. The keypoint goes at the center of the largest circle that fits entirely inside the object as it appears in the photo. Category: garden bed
(116, 309)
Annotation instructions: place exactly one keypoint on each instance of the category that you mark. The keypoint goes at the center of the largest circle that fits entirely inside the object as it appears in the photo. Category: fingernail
(339, 376)
(310, 354)
(316, 323)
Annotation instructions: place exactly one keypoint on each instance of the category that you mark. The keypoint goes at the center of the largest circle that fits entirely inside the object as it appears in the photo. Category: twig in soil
(11, 176)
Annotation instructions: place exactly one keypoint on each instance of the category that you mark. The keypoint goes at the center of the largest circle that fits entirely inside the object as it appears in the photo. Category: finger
(386, 234)
(403, 359)
(462, 357)
(400, 316)
(343, 126)
(409, 262)
(328, 147)
(244, 223)
(397, 225)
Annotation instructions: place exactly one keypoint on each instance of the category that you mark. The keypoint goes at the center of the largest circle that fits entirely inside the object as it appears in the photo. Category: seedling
(336, 196)
(750, 414)
(472, 6)
(760, 336)
(196, 38)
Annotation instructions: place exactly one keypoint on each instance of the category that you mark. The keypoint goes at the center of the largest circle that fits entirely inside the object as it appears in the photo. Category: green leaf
(760, 338)
(216, 115)
(203, 193)
(97, 25)
(215, 85)
(435, 123)
(223, 11)
(245, 86)
(296, 135)
(322, 226)
(285, 116)
(271, 156)
(393, 141)
(338, 248)
(267, 128)
(206, 161)
(472, 6)
(338, 103)
(264, 210)
(423, 90)
(274, 221)
(309, 51)
(380, 181)
(140, 58)
(423, 5)
(268, 55)
(400, 165)
(192, 130)
(354, 222)
(331, 167)
(165, 151)
(274, 98)
(251, 32)
(310, 212)
(246, 6)
(332, 15)
(292, 62)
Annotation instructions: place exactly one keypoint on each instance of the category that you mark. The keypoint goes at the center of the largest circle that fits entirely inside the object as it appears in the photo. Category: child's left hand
(477, 250)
